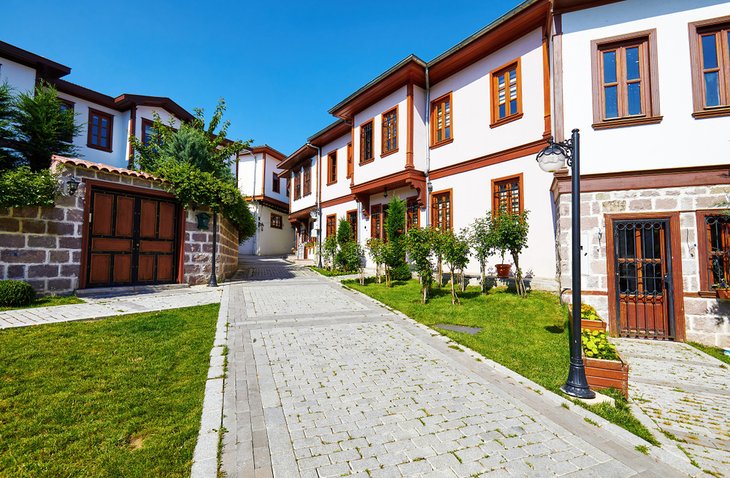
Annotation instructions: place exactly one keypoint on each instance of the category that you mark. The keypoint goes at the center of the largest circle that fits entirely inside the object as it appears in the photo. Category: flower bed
(603, 365)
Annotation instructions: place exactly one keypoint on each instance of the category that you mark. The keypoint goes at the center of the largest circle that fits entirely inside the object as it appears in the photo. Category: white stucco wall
(471, 104)
(251, 173)
(271, 168)
(309, 200)
(679, 140)
(21, 78)
(341, 211)
(269, 241)
(342, 186)
(420, 130)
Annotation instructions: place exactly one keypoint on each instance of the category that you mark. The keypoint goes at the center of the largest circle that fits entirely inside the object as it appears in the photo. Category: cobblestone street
(324, 382)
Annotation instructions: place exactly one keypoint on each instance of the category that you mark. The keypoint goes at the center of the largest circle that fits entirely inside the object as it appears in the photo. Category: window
(352, 219)
(100, 130)
(276, 221)
(307, 187)
(389, 137)
(506, 94)
(67, 105)
(378, 216)
(275, 183)
(507, 195)
(147, 131)
(332, 167)
(286, 186)
(331, 223)
(441, 210)
(710, 57)
(297, 184)
(441, 121)
(412, 214)
(366, 142)
(625, 86)
(350, 161)
(714, 248)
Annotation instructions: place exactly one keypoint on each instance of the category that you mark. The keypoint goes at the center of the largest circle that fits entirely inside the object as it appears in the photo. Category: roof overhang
(330, 133)
(300, 216)
(409, 70)
(126, 101)
(408, 178)
(46, 68)
(265, 148)
(563, 6)
(304, 152)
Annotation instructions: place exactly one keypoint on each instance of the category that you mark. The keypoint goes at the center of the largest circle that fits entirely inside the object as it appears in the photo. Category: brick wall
(707, 320)
(199, 244)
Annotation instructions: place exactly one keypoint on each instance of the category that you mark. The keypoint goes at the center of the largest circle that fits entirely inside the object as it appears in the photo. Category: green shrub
(596, 345)
(402, 272)
(15, 293)
(23, 187)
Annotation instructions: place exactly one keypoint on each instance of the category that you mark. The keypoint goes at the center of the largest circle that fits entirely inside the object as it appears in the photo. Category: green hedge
(15, 293)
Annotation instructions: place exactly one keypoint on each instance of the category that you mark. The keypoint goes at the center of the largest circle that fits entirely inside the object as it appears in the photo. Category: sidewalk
(97, 308)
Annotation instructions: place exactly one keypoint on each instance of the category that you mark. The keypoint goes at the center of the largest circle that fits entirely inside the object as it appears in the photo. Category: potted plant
(722, 289)
(603, 365)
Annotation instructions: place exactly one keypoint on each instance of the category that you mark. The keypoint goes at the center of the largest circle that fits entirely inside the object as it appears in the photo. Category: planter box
(602, 374)
(723, 294)
(593, 325)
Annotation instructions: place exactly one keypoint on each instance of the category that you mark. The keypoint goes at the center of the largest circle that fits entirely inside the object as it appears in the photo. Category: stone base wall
(707, 320)
(198, 247)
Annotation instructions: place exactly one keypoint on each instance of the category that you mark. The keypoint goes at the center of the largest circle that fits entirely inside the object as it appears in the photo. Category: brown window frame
(350, 161)
(721, 28)
(703, 244)
(297, 184)
(275, 183)
(276, 222)
(110, 133)
(307, 180)
(413, 214)
(384, 150)
(371, 158)
(515, 65)
(434, 128)
(351, 217)
(519, 179)
(450, 210)
(331, 225)
(332, 167)
(378, 216)
(649, 77)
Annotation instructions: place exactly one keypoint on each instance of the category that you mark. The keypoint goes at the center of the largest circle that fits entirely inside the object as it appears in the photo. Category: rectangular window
(307, 186)
(275, 183)
(331, 225)
(710, 56)
(507, 195)
(441, 210)
(276, 221)
(441, 121)
(376, 222)
(100, 130)
(625, 86)
(350, 161)
(389, 138)
(67, 105)
(714, 248)
(506, 94)
(412, 214)
(147, 131)
(366, 142)
(352, 219)
(332, 167)
(297, 184)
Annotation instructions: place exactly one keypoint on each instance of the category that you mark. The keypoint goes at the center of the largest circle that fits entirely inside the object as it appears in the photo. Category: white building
(457, 136)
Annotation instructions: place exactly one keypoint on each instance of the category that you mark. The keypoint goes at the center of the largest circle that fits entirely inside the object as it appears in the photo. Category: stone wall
(707, 320)
(199, 244)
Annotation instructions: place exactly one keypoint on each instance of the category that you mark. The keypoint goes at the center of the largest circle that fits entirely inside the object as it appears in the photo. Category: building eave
(306, 151)
(46, 68)
(330, 133)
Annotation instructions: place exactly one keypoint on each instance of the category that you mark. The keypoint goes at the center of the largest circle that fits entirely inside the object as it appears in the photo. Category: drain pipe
(318, 203)
(429, 187)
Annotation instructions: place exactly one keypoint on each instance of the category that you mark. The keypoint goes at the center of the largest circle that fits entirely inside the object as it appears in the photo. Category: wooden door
(643, 279)
(132, 240)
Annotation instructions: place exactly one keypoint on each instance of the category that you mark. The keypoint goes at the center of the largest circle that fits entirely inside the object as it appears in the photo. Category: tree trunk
(463, 280)
(439, 271)
(482, 271)
(454, 298)
(377, 272)
(519, 284)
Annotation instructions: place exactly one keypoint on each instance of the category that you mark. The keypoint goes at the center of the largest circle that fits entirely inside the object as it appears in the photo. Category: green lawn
(109, 398)
(716, 352)
(529, 336)
(329, 273)
(48, 301)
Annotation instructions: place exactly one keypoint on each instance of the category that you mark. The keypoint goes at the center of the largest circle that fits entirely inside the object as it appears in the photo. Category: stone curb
(205, 456)
(657, 453)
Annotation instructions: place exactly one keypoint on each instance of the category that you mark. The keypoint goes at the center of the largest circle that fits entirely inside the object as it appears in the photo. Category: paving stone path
(100, 307)
(687, 394)
(323, 382)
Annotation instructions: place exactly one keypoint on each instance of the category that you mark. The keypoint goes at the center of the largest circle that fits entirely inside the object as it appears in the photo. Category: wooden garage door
(132, 240)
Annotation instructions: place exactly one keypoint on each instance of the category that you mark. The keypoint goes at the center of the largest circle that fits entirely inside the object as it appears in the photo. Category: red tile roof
(103, 167)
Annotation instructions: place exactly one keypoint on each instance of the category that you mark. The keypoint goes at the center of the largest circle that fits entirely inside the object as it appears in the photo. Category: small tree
(350, 257)
(344, 232)
(511, 232)
(456, 254)
(482, 241)
(395, 224)
(329, 248)
(461, 264)
(376, 248)
(438, 244)
(418, 244)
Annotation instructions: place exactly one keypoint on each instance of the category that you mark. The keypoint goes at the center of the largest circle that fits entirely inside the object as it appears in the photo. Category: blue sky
(280, 65)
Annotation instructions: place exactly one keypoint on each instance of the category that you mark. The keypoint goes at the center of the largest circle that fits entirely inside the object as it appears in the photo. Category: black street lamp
(551, 159)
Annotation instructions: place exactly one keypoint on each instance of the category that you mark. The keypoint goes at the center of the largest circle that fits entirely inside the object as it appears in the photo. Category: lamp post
(553, 158)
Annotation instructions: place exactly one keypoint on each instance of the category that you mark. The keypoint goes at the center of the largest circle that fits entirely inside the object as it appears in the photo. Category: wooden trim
(333, 217)
(648, 179)
(520, 151)
(410, 114)
(702, 248)
(372, 142)
(434, 104)
(383, 151)
(110, 135)
(566, 7)
(143, 123)
(559, 116)
(182, 225)
(275, 180)
(442, 143)
(350, 163)
(647, 41)
(336, 201)
(271, 221)
(494, 74)
(352, 155)
(406, 177)
(96, 183)
(676, 244)
(308, 168)
(698, 99)
(85, 235)
(353, 213)
(331, 181)
(521, 190)
(432, 211)
(546, 86)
